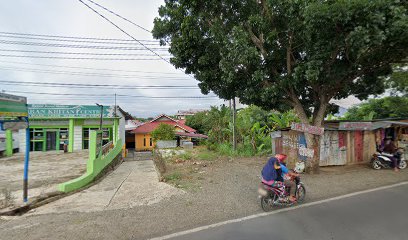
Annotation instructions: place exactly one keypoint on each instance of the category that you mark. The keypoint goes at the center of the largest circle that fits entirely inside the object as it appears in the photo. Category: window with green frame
(106, 135)
(36, 139)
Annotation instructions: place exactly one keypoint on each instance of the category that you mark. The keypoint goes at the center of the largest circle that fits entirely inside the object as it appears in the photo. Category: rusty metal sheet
(358, 147)
(332, 149)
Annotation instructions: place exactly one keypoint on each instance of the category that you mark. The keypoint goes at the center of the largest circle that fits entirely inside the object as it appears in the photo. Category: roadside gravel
(219, 191)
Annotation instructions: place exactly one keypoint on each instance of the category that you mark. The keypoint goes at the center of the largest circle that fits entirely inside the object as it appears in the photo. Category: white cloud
(71, 18)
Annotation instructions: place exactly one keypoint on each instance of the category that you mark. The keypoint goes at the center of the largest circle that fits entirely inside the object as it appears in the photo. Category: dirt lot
(216, 190)
(46, 169)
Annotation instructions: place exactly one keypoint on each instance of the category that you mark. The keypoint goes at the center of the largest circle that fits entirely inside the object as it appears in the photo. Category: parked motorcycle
(383, 160)
(278, 196)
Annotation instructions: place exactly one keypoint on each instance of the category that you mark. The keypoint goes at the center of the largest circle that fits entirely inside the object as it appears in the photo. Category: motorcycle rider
(390, 148)
(273, 172)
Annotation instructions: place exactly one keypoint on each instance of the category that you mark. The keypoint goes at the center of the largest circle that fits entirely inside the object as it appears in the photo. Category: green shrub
(206, 156)
(186, 156)
(173, 177)
(164, 132)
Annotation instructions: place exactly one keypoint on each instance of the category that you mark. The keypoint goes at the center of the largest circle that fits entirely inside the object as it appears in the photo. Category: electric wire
(77, 53)
(109, 86)
(89, 68)
(80, 58)
(166, 60)
(93, 74)
(118, 95)
(60, 45)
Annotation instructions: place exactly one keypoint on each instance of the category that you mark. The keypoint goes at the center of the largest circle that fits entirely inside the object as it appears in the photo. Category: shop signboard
(14, 125)
(307, 128)
(12, 106)
(363, 126)
(355, 125)
(68, 111)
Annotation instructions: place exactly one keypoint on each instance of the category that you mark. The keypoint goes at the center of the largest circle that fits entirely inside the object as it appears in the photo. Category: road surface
(374, 215)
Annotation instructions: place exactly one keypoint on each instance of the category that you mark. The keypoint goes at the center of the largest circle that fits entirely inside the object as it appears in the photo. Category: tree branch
(259, 43)
(289, 54)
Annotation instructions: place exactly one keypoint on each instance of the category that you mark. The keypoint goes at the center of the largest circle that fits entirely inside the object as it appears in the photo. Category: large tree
(286, 53)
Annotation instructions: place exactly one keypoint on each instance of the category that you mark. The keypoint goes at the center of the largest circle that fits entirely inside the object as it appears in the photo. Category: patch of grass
(207, 156)
(186, 156)
(172, 177)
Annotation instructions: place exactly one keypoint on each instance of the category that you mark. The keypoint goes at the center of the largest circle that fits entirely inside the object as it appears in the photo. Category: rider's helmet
(281, 157)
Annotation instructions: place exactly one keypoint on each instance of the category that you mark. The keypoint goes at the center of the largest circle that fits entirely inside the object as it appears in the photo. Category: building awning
(192, 135)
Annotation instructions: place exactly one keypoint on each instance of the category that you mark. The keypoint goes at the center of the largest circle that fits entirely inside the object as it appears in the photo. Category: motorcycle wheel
(403, 164)
(300, 193)
(267, 201)
(376, 164)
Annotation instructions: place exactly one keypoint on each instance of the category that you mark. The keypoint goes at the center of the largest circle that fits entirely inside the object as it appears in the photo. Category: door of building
(51, 141)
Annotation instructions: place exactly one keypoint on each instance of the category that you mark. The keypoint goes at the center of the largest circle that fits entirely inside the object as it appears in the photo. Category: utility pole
(100, 124)
(234, 135)
(115, 105)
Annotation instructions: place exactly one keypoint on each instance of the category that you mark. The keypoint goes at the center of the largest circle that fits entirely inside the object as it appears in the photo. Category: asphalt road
(375, 215)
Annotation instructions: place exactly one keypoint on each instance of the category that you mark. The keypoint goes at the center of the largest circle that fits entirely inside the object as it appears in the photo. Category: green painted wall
(94, 165)
(71, 135)
(9, 143)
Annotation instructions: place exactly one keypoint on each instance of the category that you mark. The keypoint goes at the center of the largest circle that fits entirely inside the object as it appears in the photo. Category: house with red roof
(144, 141)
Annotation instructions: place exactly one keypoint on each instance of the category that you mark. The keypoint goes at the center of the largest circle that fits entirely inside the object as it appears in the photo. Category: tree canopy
(281, 54)
(388, 107)
(286, 53)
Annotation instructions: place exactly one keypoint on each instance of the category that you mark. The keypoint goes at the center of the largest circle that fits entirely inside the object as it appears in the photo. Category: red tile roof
(152, 125)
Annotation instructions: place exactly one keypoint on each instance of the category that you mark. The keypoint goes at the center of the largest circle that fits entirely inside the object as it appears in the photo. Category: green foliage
(206, 156)
(253, 127)
(388, 107)
(199, 122)
(282, 54)
(283, 120)
(173, 177)
(163, 132)
(186, 156)
(398, 80)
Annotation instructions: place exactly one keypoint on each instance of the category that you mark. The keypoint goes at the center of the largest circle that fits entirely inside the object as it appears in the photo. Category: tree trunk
(312, 141)
(312, 164)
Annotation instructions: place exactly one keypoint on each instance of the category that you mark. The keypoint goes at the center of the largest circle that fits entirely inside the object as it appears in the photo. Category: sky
(73, 19)
(49, 64)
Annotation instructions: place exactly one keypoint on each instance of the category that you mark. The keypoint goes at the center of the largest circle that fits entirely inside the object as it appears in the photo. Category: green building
(53, 125)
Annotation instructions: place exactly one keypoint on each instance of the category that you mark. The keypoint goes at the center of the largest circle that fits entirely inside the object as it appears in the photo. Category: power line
(76, 53)
(119, 95)
(72, 37)
(79, 40)
(80, 58)
(123, 31)
(81, 85)
(127, 20)
(89, 68)
(92, 74)
(40, 44)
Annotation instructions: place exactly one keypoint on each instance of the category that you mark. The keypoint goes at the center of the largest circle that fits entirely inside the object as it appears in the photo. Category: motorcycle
(278, 196)
(383, 160)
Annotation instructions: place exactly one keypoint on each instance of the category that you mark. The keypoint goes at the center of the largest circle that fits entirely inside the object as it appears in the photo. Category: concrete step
(139, 156)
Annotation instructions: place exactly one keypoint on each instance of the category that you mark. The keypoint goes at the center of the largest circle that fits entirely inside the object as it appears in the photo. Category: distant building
(182, 114)
(238, 104)
(142, 133)
(53, 125)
